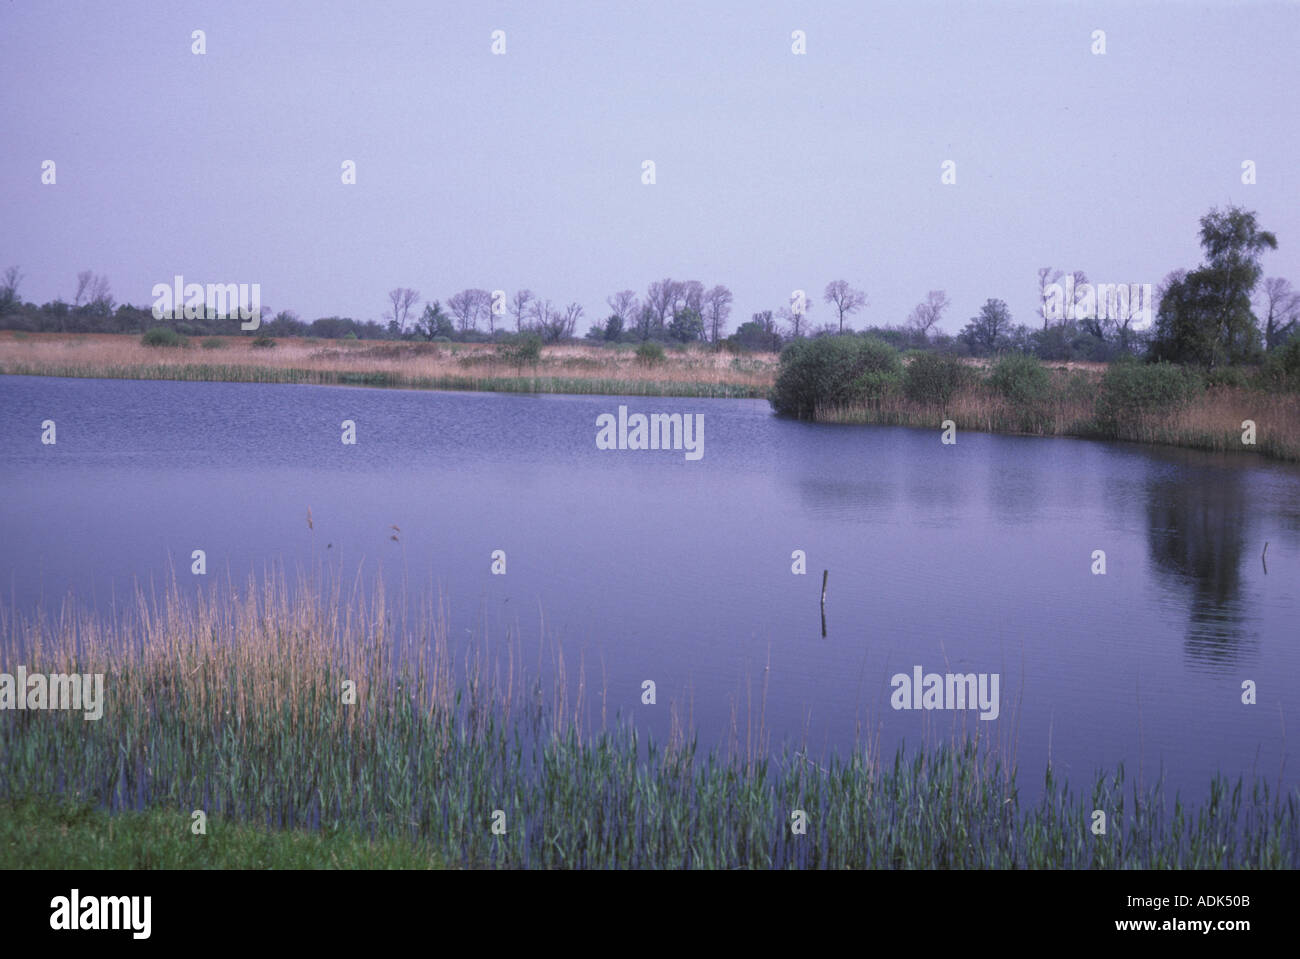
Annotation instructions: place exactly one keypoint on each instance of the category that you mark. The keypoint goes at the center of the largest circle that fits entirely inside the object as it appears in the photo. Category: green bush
(213, 343)
(1021, 380)
(1281, 369)
(162, 336)
(934, 379)
(263, 342)
(521, 348)
(650, 353)
(833, 371)
(1231, 376)
(1131, 390)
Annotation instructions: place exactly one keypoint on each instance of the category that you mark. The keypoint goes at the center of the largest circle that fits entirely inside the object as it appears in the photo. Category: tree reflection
(1197, 528)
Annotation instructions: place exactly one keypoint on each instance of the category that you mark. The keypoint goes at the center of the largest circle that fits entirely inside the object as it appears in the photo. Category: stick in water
(825, 573)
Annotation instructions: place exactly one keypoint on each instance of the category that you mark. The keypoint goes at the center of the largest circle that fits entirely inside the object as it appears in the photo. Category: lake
(647, 565)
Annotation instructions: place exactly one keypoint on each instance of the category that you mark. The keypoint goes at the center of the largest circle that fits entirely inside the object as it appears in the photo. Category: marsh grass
(574, 368)
(1211, 420)
(231, 702)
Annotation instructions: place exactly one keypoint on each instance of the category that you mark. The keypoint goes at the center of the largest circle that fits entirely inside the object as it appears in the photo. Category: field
(569, 368)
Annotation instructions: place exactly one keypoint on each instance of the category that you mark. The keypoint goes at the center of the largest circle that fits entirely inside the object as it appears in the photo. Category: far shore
(564, 368)
(1211, 422)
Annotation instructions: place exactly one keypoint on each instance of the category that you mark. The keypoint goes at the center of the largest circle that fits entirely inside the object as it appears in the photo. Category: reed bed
(1211, 421)
(231, 702)
(562, 369)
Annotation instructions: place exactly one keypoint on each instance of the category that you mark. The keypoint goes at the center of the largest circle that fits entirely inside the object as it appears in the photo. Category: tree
(1046, 277)
(845, 298)
(717, 307)
(93, 293)
(687, 326)
(541, 313)
(83, 286)
(402, 299)
(559, 324)
(613, 328)
(622, 304)
(987, 332)
(434, 322)
(1205, 316)
(518, 307)
(926, 315)
(9, 290)
(469, 306)
(1281, 309)
(795, 320)
(660, 303)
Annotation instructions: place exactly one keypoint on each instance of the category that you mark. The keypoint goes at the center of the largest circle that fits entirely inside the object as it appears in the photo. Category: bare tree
(1281, 309)
(1094, 324)
(925, 316)
(9, 289)
(518, 307)
(796, 321)
(402, 300)
(83, 286)
(541, 313)
(845, 298)
(99, 293)
(559, 324)
(1046, 277)
(660, 302)
(572, 314)
(469, 306)
(717, 307)
(623, 304)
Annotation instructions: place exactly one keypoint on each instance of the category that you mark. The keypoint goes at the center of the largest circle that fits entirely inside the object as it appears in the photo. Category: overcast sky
(774, 171)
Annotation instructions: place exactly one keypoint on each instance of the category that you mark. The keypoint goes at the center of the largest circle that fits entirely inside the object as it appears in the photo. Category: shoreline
(1210, 423)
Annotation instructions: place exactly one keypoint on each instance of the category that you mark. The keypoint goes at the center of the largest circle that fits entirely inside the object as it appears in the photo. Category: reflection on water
(1197, 530)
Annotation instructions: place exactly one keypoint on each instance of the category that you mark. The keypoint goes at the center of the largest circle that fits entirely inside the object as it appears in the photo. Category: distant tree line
(1218, 314)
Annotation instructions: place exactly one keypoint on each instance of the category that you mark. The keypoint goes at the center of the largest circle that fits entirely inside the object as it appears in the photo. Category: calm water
(973, 558)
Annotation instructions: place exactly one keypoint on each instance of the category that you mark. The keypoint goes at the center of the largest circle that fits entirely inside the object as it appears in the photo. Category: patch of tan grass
(392, 364)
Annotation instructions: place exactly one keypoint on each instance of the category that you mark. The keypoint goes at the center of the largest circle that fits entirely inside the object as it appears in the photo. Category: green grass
(54, 833)
(232, 705)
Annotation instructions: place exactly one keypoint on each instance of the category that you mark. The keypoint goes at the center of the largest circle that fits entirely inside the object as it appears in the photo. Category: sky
(774, 171)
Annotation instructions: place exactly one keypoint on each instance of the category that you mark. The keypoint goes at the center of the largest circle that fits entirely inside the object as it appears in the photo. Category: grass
(233, 704)
(1211, 420)
(54, 833)
(570, 368)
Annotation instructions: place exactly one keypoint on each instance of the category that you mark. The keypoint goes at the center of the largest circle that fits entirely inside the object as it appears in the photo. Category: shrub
(1130, 391)
(650, 353)
(1281, 369)
(1021, 380)
(162, 336)
(1229, 376)
(263, 342)
(833, 371)
(521, 348)
(933, 378)
(213, 343)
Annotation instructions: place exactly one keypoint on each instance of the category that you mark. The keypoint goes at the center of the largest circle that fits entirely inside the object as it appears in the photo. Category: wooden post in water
(825, 574)
(1263, 558)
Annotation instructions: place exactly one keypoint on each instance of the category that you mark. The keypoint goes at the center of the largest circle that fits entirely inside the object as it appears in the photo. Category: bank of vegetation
(238, 706)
